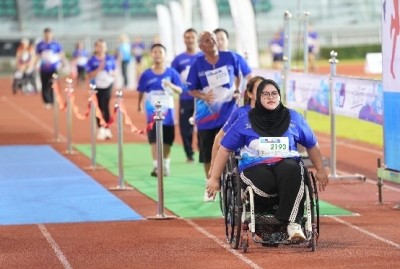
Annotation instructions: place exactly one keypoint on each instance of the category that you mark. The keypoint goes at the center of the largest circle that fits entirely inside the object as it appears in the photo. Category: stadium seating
(70, 8)
(131, 7)
(8, 9)
(147, 8)
(260, 6)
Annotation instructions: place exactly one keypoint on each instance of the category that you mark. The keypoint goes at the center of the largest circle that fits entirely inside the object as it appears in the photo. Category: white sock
(167, 163)
(155, 163)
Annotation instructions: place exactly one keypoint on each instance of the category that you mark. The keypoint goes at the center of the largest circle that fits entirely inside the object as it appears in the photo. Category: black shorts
(206, 141)
(168, 135)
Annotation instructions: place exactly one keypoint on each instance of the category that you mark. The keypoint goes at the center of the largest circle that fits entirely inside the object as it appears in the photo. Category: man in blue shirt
(158, 83)
(182, 64)
(211, 81)
(51, 57)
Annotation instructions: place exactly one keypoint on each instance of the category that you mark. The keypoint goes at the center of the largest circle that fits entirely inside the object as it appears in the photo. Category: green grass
(349, 128)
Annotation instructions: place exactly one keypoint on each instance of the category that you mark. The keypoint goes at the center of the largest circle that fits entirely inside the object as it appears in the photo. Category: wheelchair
(241, 220)
(24, 82)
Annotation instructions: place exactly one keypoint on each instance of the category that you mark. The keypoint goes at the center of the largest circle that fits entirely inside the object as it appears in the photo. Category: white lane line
(224, 245)
(30, 116)
(384, 186)
(61, 257)
(366, 232)
(371, 181)
(352, 146)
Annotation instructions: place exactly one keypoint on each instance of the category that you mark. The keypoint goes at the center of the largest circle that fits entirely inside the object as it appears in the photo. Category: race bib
(217, 77)
(104, 79)
(273, 146)
(167, 101)
(49, 56)
(81, 61)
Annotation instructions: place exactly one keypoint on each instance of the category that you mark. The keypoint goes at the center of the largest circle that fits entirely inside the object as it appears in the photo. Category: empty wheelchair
(242, 222)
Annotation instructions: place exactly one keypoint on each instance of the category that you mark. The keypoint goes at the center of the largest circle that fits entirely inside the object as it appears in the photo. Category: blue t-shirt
(124, 51)
(276, 47)
(235, 115)
(81, 56)
(138, 49)
(104, 78)
(312, 40)
(220, 78)
(182, 64)
(49, 55)
(151, 84)
(242, 136)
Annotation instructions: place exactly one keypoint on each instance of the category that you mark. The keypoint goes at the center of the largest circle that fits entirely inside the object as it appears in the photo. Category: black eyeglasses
(273, 94)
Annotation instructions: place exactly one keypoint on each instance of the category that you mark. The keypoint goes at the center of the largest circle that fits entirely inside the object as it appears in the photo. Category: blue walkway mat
(39, 185)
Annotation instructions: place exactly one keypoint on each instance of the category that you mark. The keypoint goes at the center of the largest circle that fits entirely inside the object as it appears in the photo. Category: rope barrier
(62, 105)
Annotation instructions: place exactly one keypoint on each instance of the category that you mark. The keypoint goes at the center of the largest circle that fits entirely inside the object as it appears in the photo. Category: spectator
(159, 83)
(211, 81)
(276, 48)
(79, 60)
(138, 49)
(182, 64)
(124, 57)
(272, 171)
(101, 71)
(313, 48)
(51, 57)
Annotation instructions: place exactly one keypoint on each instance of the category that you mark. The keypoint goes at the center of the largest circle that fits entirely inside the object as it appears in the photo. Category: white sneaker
(208, 199)
(295, 233)
(108, 133)
(101, 133)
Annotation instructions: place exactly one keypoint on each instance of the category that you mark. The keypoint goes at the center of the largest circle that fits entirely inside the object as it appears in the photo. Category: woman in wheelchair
(267, 138)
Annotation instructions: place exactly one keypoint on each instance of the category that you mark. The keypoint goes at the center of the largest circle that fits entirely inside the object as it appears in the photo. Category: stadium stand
(8, 9)
(339, 22)
(132, 7)
(69, 8)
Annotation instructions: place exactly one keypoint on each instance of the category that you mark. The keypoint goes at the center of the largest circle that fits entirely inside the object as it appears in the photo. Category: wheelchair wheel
(233, 205)
(223, 180)
(314, 208)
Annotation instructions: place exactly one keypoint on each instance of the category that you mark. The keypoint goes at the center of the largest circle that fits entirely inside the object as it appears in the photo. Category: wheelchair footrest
(270, 229)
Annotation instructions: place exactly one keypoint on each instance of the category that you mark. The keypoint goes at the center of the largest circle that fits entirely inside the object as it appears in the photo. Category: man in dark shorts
(211, 81)
(159, 83)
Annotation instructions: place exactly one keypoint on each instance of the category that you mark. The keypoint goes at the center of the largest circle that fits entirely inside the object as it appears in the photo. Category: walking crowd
(209, 80)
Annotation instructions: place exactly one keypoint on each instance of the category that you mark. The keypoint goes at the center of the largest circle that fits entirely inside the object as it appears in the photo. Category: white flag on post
(178, 26)
(165, 30)
(49, 4)
(209, 13)
(245, 25)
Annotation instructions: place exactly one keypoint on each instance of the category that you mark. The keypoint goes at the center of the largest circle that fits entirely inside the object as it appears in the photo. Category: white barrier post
(121, 185)
(55, 110)
(287, 57)
(158, 118)
(93, 128)
(69, 91)
(333, 61)
(305, 51)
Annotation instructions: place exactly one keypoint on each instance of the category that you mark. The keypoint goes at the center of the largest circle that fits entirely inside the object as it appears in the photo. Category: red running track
(370, 240)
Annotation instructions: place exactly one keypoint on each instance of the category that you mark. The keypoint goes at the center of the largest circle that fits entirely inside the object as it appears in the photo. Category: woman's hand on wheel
(322, 178)
(212, 187)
